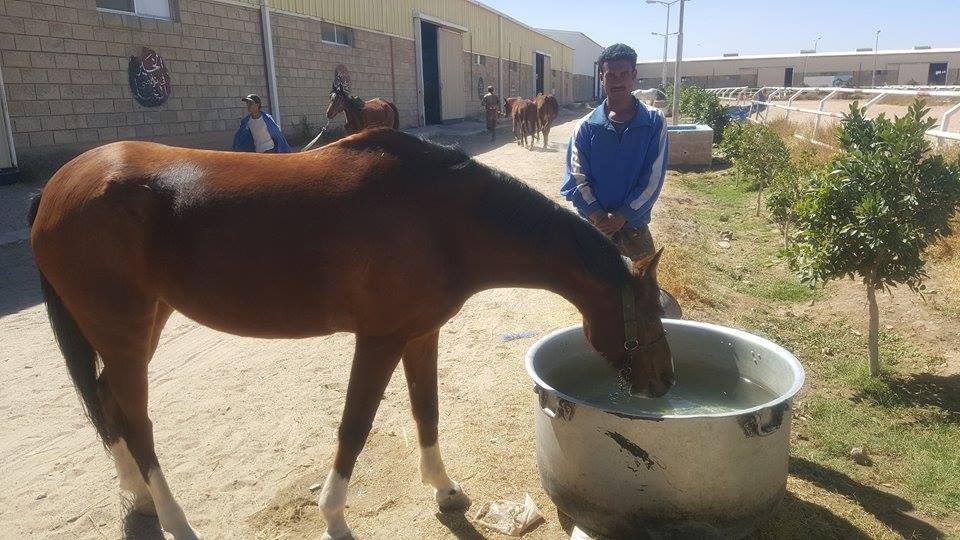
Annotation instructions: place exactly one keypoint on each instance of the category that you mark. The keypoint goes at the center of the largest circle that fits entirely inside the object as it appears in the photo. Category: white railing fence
(762, 100)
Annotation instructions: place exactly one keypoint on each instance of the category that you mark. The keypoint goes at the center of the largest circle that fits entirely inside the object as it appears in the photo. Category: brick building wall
(305, 71)
(583, 88)
(473, 73)
(65, 69)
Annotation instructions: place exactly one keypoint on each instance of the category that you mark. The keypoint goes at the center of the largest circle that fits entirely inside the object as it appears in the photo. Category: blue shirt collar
(640, 118)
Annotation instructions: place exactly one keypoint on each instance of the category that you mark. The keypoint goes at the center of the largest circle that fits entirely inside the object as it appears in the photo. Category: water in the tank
(700, 389)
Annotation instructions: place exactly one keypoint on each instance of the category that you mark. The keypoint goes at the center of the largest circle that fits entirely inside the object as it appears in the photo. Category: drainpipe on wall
(500, 52)
(267, 33)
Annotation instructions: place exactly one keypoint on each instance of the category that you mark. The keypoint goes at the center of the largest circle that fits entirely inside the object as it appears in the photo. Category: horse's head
(630, 334)
(338, 100)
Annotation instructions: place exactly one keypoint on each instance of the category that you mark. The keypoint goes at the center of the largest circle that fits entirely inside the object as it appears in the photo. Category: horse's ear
(647, 267)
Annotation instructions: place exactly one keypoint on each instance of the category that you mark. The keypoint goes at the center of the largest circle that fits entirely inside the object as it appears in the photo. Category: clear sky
(714, 27)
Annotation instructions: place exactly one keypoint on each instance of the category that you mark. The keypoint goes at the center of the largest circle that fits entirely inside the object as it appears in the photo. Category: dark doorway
(539, 73)
(431, 73)
(788, 77)
(938, 74)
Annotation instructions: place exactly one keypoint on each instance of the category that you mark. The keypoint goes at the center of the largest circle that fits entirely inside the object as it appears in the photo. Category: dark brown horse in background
(341, 239)
(547, 111)
(360, 114)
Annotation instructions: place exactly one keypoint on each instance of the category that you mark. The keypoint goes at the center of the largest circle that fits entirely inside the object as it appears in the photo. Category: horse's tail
(396, 115)
(81, 357)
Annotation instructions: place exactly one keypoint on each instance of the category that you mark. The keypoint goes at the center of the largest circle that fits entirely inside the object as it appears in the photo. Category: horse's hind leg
(420, 366)
(128, 472)
(126, 350)
(373, 362)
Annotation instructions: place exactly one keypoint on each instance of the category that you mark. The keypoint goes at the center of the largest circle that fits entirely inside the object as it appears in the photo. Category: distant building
(918, 66)
(586, 80)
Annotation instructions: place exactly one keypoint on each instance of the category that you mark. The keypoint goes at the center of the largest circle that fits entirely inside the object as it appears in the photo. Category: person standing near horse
(258, 131)
(491, 106)
(617, 158)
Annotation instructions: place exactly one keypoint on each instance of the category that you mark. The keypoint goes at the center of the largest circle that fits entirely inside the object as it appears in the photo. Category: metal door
(450, 54)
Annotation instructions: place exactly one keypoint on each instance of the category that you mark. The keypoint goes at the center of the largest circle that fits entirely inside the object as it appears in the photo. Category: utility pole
(676, 71)
(666, 36)
(876, 47)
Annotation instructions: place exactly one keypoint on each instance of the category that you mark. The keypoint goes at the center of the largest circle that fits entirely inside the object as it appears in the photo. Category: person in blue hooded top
(258, 131)
(617, 158)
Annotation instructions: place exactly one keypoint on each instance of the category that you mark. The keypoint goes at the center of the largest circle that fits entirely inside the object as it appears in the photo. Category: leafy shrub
(703, 107)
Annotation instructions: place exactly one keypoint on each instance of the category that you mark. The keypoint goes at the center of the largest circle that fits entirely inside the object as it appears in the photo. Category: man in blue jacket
(258, 131)
(617, 158)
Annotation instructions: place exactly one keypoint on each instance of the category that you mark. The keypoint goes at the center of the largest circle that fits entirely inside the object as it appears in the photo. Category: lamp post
(815, 43)
(676, 67)
(876, 46)
(666, 35)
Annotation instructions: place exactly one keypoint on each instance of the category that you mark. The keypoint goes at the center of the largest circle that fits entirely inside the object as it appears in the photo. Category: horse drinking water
(380, 234)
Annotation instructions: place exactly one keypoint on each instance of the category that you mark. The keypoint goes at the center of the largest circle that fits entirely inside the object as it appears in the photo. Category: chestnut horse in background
(547, 111)
(344, 238)
(523, 113)
(360, 114)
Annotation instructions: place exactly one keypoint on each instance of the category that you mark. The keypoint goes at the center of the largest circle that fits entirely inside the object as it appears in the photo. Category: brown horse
(362, 115)
(523, 112)
(297, 245)
(547, 111)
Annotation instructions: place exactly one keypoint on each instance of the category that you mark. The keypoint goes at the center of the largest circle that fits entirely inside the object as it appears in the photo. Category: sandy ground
(243, 426)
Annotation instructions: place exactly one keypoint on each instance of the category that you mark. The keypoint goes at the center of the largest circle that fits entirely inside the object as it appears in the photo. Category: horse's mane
(522, 211)
(355, 103)
(506, 203)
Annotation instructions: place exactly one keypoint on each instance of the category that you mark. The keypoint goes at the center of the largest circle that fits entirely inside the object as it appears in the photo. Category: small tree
(758, 154)
(883, 200)
(787, 189)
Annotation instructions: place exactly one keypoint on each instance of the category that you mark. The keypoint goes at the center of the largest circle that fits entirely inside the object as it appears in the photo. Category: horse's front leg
(373, 362)
(420, 366)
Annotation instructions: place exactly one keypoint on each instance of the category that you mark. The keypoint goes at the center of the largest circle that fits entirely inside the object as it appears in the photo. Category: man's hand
(609, 224)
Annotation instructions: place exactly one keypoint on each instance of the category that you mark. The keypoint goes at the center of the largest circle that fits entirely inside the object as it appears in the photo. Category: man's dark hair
(617, 51)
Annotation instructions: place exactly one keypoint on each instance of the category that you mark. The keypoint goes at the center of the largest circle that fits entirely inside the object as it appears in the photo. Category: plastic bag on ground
(510, 517)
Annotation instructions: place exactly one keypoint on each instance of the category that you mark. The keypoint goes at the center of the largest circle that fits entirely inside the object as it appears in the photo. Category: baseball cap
(252, 98)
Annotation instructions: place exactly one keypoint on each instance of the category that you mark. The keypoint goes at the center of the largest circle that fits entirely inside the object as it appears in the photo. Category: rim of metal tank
(799, 375)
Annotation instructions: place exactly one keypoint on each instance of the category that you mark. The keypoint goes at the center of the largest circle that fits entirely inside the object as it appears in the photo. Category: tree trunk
(874, 338)
(759, 193)
(786, 234)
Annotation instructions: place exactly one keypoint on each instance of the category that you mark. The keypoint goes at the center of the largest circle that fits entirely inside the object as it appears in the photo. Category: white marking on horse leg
(172, 518)
(128, 474)
(449, 494)
(332, 500)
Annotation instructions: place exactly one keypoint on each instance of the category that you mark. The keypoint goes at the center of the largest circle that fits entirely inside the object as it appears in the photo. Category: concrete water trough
(691, 145)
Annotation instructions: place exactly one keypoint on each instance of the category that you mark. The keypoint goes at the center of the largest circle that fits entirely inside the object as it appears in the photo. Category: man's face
(252, 107)
(618, 77)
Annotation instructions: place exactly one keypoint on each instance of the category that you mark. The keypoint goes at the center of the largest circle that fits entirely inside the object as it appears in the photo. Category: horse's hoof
(453, 499)
(339, 536)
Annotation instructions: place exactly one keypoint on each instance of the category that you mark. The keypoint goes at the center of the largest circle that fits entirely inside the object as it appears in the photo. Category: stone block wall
(306, 65)
(65, 71)
(473, 73)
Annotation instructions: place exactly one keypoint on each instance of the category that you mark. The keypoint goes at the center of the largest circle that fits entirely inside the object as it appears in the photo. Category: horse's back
(249, 244)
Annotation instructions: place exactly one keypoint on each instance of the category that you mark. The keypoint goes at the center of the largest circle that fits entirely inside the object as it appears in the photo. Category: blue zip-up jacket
(617, 173)
(243, 140)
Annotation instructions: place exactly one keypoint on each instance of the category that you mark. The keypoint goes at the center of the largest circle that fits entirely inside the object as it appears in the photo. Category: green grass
(752, 265)
(909, 419)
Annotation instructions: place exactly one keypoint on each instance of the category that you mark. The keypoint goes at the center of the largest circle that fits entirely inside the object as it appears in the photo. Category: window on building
(159, 9)
(480, 59)
(334, 33)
